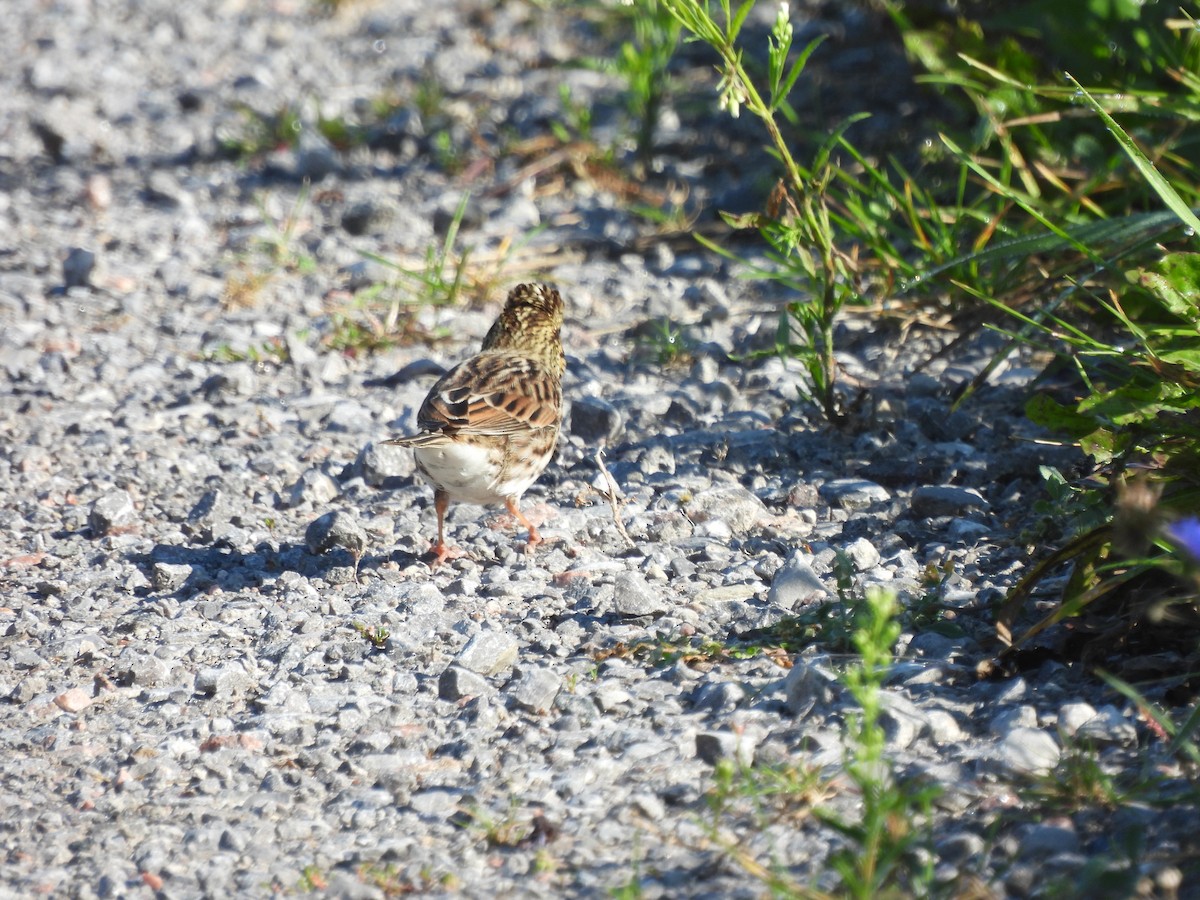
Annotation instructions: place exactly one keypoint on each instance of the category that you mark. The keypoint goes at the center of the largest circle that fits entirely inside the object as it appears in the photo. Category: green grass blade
(1128, 230)
(1153, 177)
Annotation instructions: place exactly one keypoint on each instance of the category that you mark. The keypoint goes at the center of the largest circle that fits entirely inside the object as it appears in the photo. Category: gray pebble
(111, 512)
(234, 380)
(383, 465)
(1109, 727)
(863, 554)
(314, 157)
(795, 583)
(719, 696)
(335, 529)
(313, 488)
(488, 653)
(853, 493)
(715, 746)
(734, 505)
(1040, 841)
(212, 509)
(535, 689)
(1028, 751)
(366, 216)
(77, 267)
(595, 421)
(946, 500)
(1072, 716)
(808, 685)
(902, 720)
(169, 576)
(1006, 720)
(633, 596)
(224, 681)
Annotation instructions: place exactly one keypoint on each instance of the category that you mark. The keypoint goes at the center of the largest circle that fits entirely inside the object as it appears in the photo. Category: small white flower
(731, 94)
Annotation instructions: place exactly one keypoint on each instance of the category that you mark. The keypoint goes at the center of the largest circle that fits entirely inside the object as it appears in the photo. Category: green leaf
(1176, 284)
(1044, 410)
(1161, 186)
(739, 221)
(1188, 358)
(798, 67)
(739, 17)
(1129, 404)
(1100, 445)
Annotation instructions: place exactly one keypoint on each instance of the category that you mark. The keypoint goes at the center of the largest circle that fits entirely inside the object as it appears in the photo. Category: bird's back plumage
(490, 425)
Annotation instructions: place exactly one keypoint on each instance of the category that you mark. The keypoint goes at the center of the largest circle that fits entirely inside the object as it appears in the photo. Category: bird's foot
(442, 552)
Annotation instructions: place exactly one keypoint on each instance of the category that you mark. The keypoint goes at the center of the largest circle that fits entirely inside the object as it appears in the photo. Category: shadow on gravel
(187, 572)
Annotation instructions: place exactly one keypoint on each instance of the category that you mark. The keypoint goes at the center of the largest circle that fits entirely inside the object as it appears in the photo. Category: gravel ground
(197, 518)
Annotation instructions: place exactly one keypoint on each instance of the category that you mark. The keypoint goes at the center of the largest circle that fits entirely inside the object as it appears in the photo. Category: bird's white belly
(467, 474)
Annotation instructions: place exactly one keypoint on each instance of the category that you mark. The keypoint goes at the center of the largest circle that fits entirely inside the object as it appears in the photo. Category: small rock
(225, 681)
(397, 133)
(945, 500)
(853, 493)
(806, 685)
(720, 696)
(1007, 719)
(314, 487)
(966, 531)
(145, 670)
(366, 216)
(51, 588)
(210, 510)
(488, 653)
(595, 421)
(27, 689)
(1028, 751)
(457, 683)
(536, 689)
(863, 554)
(655, 458)
(77, 267)
(1049, 840)
(383, 465)
(733, 504)
(959, 847)
(649, 806)
(726, 593)
(335, 529)
(1072, 716)
(73, 701)
(634, 597)
(98, 191)
(608, 697)
(234, 380)
(349, 417)
(436, 802)
(796, 583)
(169, 576)
(902, 720)
(931, 645)
(113, 511)
(1108, 727)
(944, 728)
(715, 746)
(24, 658)
(314, 156)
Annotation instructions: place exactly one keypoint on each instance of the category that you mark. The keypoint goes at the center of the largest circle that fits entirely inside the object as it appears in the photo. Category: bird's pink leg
(441, 550)
(534, 537)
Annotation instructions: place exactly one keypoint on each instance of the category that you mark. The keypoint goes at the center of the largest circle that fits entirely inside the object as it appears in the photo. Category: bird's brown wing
(494, 393)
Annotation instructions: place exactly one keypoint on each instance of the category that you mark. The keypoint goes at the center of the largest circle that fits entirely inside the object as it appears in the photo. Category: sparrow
(490, 425)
